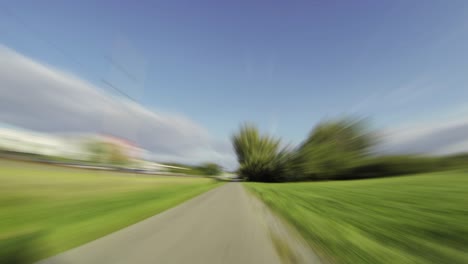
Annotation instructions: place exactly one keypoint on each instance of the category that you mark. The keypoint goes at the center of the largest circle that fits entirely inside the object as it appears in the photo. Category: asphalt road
(219, 226)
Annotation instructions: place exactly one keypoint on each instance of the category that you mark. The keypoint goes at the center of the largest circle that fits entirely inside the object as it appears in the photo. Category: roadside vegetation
(419, 218)
(260, 157)
(47, 209)
(204, 169)
(340, 149)
(413, 219)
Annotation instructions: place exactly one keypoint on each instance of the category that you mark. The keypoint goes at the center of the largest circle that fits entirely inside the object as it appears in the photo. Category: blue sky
(282, 64)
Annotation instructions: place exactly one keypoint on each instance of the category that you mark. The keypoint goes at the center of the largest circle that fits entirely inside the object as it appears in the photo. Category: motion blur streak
(38, 97)
(118, 139)
(203, 230)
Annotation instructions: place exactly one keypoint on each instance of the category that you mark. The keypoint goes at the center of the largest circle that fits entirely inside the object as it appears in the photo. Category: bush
(210, 169)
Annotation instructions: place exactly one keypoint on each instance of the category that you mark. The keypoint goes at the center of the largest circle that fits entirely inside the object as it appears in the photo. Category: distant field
(411, 219)
(48, 209)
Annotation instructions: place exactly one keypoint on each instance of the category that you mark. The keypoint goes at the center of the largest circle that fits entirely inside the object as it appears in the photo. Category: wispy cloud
(438, 137)
(40, 97)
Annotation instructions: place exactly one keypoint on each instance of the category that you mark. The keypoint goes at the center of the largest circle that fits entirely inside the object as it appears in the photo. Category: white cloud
(39, 97)
(458, 147)
(438, 137)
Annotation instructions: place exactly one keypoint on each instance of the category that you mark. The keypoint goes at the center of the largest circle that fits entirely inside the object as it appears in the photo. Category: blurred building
(129, 149)
(24, 141)
(99, 149)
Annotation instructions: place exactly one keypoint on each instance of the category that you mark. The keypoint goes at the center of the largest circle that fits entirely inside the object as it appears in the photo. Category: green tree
(106, 153)
(333, 148)
(210, 169)
(116, 155)
(97, 151)
(259, 156)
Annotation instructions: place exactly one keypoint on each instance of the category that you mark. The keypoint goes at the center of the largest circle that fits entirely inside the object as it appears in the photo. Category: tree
(97, 151)
(332, 148)
(116, 155)
(259, 156)
(210, 169)
(106, 153)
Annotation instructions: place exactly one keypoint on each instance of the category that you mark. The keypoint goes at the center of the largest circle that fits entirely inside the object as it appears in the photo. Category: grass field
(48, 209)
(411, 219)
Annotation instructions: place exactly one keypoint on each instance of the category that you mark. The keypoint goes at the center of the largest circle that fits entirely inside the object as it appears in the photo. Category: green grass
(48, 209)
(412, 219)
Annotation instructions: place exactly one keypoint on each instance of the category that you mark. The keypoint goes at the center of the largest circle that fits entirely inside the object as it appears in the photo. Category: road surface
(219, 226)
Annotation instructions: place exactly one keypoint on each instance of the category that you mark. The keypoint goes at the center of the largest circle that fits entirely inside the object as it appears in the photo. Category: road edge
(289, 244)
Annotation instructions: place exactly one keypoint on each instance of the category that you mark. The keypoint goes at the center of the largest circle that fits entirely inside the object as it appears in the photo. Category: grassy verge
(411, 219)
(48, 209)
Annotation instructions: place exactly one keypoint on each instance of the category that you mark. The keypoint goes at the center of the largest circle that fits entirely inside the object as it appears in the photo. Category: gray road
(219, 226)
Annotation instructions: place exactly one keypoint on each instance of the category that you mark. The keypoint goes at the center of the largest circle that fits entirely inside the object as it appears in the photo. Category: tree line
(334, 150)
